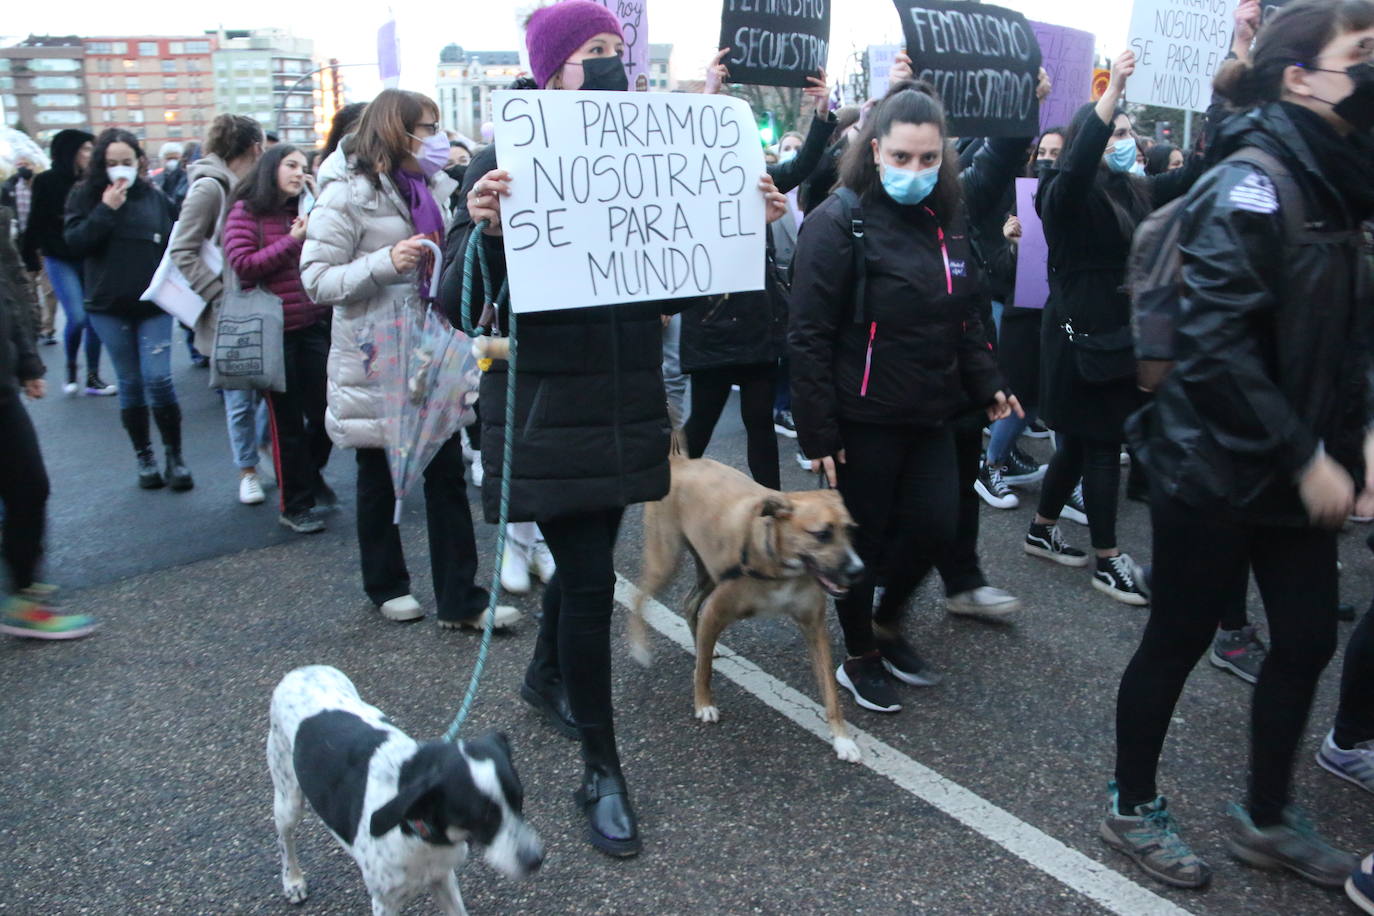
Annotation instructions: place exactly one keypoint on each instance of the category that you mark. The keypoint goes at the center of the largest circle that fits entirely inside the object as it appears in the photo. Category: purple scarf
(425, 216)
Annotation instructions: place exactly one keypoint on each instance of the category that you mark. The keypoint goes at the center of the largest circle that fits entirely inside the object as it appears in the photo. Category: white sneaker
(70, 389)
(986, 602)
(541, 561)
(803, 462)
(474, 458)
(402, 609)
(505, 616)
(515, 567)
(250, 490)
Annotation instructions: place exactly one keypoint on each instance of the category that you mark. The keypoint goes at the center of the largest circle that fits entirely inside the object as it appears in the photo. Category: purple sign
(1067, 56)
(634, 27)
(388, 55)
(1032, 254)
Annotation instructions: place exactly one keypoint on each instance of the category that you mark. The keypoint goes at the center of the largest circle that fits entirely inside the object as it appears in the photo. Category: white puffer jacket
(346, 263)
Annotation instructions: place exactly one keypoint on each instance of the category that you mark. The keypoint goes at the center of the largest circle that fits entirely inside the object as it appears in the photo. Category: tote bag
(248, 351)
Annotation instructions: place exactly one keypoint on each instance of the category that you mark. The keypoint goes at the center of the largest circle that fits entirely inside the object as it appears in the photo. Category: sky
(425, 26)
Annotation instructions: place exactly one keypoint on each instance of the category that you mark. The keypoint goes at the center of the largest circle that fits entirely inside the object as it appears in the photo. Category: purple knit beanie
(554, 34)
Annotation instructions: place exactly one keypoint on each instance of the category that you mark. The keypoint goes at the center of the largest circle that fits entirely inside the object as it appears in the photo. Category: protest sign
(634, 197)
(1178, 44)
(1067, 56)
(634, 27)
(982, 59)
(775, 42)
(880, 61)
(1032, 254)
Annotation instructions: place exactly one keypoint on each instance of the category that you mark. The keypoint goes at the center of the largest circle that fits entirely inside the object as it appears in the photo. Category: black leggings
(901, 485)
(23, 492)
(1098, 464)
(578, 600)
(1355, 718)
(1200, 560)
(710, 391)
(957, 561)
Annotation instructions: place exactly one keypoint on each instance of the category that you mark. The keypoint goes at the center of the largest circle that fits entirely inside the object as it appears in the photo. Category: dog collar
(743, 570)
(423, 831)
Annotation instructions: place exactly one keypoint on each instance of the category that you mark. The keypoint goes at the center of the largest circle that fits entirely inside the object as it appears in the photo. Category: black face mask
(1044, 165)
(24, 172)
(604, 73)
(1357, 109)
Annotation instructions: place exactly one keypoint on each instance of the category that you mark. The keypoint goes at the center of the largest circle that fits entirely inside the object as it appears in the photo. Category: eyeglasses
(428, 129)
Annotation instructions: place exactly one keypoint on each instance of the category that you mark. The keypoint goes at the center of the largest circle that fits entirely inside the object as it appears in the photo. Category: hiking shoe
(505, 616)
(903, 662)
(1355, 765)
(866, 678)
(1359, 887)
(1293, 845)
(305, 522)
(96, 387)
(250, 490)
(993, 489)
(1075, 510)
(1150, 838)
(987, 603)
(1239, 652)
(1046, 541)
(1119, 578)
(25, 617)
(1022, 468)
(783, 424)
(1036, 430)
(401, 609)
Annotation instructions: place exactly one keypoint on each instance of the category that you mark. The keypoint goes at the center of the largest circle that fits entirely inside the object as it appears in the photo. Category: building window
(107, 116)
(242, 64)
(171, 115)
(60, 117)
(147, 49)
(54, 64)
(169, 82)
(104, 65)
(11, 102)
(57, 100)
(56, 82)
(176, 47)
(132, 82)
(97, 47)
(109, 100)
(6, 82)
(175, 130)
(136, 116)
(131, 99)
(130, 64)
(169, 66)
(119, 47)
(197, 47)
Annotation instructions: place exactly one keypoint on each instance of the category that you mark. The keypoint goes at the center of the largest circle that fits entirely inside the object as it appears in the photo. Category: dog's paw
(642, 654)
(296, 891)
(708, 714)
(847, 750)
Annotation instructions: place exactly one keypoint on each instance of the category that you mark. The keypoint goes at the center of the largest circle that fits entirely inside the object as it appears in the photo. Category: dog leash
(476, 248)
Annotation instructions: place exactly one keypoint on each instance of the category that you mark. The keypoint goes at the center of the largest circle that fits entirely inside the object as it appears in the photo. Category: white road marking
(1070, 867)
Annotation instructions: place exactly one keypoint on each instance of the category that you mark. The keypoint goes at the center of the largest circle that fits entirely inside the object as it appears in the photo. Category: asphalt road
(135, 780)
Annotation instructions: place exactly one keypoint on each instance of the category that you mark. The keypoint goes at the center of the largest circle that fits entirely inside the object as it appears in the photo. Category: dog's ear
(775, 506)
(409, 801)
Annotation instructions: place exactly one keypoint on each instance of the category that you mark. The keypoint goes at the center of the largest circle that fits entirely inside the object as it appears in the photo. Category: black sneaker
(783, 425)
(866, 678)
(1046, 541)
(1037, 430)
(1120, 578)
(1075, 510)
(993, 489)
(97, 387)
(1294, 845)
(903, 663)
(1022, 468)
(306, 522)
(1240, 652)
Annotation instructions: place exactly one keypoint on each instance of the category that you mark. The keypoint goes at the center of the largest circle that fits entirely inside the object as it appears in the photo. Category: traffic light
(1164, 131)
(768, 128)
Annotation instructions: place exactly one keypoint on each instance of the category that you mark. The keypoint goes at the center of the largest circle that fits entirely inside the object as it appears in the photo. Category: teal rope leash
(477, 246)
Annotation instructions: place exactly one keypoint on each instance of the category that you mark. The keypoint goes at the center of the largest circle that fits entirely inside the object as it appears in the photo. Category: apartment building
(156, 86)
(43, 85)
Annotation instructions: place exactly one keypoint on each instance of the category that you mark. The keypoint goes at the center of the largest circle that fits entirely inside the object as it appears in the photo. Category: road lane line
(1070, 867)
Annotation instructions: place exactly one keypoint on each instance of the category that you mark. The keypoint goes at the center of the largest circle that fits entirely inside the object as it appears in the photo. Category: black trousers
(452, 544)
(302, 445)
(901, 485)
(1098, 464)
(1355, 717)
(1198, 560)
(575, 631)
(757, 388)
(957, 560)
(23, 492)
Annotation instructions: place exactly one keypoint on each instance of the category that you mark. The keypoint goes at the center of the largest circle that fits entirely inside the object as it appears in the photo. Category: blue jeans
(141, 349)
(997, 309)
(1005, 432)
(249, 425)
(65, 277)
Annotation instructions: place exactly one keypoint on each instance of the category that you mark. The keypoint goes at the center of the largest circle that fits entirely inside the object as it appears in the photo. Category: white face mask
(128, 172)
(171, 165)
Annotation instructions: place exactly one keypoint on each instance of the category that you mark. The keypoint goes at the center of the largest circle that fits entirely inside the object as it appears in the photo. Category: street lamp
(279, 103)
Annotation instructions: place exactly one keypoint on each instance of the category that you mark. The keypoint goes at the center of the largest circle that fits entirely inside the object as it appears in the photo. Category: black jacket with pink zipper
(915, 353)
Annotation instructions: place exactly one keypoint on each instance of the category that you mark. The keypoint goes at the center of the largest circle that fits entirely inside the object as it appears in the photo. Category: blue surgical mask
(1121, 156)
(1138, 169)
(787, 155)
(909, 187)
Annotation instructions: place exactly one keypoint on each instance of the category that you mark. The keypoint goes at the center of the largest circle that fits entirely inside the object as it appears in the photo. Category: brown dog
(757, 552)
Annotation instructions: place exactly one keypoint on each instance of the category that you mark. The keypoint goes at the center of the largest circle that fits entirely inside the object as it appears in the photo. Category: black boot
(603, 796)
(543, 687)
(135, 420)
(168, 419)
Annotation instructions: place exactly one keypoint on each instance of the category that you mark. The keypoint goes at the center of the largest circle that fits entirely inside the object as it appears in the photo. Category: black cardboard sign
(775, 42)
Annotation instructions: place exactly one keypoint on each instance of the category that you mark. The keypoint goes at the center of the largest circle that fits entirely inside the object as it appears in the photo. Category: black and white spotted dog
(405, 811)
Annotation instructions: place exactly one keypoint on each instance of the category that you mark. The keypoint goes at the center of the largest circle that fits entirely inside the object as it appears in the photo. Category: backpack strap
(859, 252)
(223, 199)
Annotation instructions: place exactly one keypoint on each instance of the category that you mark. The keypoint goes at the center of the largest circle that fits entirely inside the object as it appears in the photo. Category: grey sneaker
(1355, 765)
(1150, 838)
(1293, 845)
(987, 602)
(1239, 652)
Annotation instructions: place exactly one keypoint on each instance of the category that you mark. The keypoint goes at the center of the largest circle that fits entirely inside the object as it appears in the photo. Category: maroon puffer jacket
(262, 252)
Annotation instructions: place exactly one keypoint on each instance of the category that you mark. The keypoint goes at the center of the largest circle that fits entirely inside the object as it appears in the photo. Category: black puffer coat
(121, 248)
(1273, 345)
(43, 235)
(591, 416)
(1088, 248)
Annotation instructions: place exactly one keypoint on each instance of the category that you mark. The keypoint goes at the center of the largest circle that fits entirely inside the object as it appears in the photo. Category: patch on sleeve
(1255, 193)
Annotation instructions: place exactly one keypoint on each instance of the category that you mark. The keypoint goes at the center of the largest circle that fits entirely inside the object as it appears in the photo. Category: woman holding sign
(593, 436)
(887, 346)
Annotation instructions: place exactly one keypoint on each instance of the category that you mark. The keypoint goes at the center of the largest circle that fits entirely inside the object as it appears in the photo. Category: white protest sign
(880, 61)
(628, 197)
(1178, 44)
